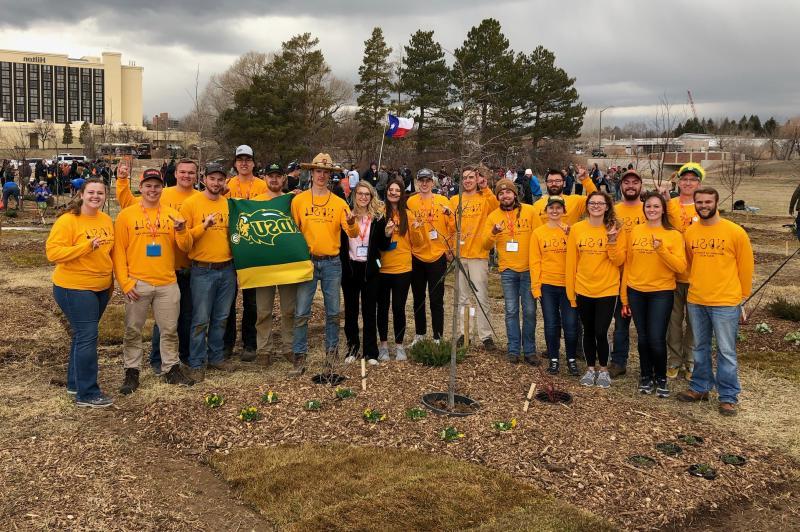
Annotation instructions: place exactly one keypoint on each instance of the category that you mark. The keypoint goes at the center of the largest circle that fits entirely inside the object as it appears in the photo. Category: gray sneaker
(101, 401)
(400, 354)
(603, 379)
(588, 378)
(383, 354)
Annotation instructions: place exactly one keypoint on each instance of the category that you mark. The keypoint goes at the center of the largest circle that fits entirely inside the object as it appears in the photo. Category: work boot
(131, 382)
(615, 370)
(691, 396)
(488, 344)
(224, 365)
(289, 356)
(249, 355)
(176, 376)
(196, 374)
(727, 409)
(268, 359)
(298, 365)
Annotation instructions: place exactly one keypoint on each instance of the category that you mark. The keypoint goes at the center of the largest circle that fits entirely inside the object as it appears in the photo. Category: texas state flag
(398, 127)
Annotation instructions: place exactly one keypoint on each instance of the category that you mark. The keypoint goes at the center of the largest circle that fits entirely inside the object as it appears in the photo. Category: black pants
(393, 286)
(596, 314)
(249, 315)
(355, 288)
(430, 275)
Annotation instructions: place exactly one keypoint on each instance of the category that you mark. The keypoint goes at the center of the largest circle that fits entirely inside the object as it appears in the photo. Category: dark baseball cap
(274, 168)
(215, 168)
(151, 173)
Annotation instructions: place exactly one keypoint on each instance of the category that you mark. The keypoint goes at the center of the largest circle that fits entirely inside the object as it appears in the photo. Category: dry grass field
(161, 459)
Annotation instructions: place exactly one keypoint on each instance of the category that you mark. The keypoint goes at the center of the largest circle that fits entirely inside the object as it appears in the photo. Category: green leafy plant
(430, 353)
(784, 309)
(313, 405)
(373, 416)
(249, 414)
(688, 439)
(703, 470)
(668, 448)
(503, 426)
(763, 328)
(214, 400)
(449, 434)
(793, 337)
(11, 213)
(732, 459)
(641, 460)
(344, 393)
(270, 398)
(741, 337)
(416, 413)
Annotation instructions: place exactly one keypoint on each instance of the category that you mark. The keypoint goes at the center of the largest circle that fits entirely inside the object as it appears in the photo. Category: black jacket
(378, 241)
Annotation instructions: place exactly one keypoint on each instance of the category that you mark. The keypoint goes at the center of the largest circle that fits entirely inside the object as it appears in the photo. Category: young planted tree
(374, 86)
(67, 139)
(86, 138)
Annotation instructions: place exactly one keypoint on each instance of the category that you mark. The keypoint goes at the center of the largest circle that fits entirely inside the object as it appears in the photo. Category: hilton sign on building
(53, 87)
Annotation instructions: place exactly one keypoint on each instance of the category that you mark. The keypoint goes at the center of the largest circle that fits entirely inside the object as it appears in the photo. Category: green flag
(268, 248)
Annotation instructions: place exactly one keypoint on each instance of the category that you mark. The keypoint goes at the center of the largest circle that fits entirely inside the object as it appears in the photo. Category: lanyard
(511, 226)
(151, 226)
(363, 227)
(241, 189)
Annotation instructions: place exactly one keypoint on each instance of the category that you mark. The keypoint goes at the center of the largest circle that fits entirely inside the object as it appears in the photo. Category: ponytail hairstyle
(75, 207)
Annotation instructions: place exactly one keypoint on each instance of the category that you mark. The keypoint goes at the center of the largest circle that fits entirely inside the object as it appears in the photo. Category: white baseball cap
(528, 171)
(244, 149)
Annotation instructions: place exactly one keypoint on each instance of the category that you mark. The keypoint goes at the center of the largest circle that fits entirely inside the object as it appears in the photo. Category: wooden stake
(529, 397)
(363, 375)
(466, 327)
(787, 248)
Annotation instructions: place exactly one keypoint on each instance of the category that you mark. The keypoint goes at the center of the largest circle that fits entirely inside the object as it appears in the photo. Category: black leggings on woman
(394, 286)
(596, 314)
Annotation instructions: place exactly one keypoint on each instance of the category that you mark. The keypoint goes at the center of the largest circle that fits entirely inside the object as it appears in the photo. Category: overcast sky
(737, 56)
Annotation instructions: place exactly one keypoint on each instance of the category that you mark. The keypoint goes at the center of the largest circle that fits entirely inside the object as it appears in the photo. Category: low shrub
(784, 309)
(431, 353)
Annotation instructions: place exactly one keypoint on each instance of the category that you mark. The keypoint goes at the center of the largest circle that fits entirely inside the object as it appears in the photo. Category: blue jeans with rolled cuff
(723, 322)
(328, 274)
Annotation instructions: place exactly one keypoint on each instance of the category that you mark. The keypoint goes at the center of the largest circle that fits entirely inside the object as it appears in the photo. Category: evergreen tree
(375, 84)
(754, 125)
(743, 123)
(425, 78)
(770, 126)
(67, 138)
(711, 127)
(84, 133)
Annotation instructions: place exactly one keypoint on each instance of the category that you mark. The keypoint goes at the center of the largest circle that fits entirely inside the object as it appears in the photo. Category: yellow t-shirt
(548, 257)
(629, 215)
(205, 245)
(513, 242)
(239, 190)
(681, 216)
(434, 223)
(593, 265)
(320, 219)
(648, 269)
(69, 245)
(475, 208)
(133, 233)
(397, 259)
(575, 204)
(720, 264)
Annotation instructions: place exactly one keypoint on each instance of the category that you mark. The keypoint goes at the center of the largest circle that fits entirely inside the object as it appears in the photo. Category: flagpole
(383, 137)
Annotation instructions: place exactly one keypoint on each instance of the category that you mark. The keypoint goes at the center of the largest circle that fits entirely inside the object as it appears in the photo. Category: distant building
(162, 122)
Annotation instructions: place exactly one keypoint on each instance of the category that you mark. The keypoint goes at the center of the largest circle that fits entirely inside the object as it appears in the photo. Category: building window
(61, 94)
(34, 108)
(19, 93)
(86, 94)
(73, 95)
(6, 106)
(47, 92)
(99, 97)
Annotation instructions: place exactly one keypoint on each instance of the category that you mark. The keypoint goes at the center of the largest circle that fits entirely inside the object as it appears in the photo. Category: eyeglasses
(596, 204)
(555, 182)
(688, 179)
(364, 194)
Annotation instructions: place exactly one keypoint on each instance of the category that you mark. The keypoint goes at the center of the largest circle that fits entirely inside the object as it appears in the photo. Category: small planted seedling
(313, 405)
(344, 393)
(793, 337)
(641, 460)
(733, 459)
(689, 439)
(416, 413)
(373, 416)
(763, 328)
(503, 426)
(249, 414)
(214, 400)
(449, 434)
(668, 448)
(702, 470)
(270, 398)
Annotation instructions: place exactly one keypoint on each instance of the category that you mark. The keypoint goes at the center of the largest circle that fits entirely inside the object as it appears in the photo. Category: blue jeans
(184, 323)
(558, 314)
(651, 312)
(724, 323)
(622, 337)
(516, 289)
(83, 309)
(328, 273)
(212, 293)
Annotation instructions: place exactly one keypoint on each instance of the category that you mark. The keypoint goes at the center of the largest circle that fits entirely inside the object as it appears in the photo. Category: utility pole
(600, 133)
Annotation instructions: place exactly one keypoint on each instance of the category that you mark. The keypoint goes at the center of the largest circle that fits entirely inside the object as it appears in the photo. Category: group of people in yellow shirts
(660, 262)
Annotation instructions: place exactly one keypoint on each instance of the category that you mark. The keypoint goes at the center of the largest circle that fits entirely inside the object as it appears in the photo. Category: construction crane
(691, 102)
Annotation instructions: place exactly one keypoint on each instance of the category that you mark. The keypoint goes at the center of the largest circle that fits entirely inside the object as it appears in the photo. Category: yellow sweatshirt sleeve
(572, 266)
(588, 185)
(535, 265)
(616, 251)
(350, 229)
(488, 238)
(746, 264)
(59, 247)
(623, 286)
(125, 197)
(673, 253)
(119, 255)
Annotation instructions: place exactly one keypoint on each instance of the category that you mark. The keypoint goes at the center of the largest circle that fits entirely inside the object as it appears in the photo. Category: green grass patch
(784, 309)
(340, 487)
(781, 364)
(431, 353)
(28, 259)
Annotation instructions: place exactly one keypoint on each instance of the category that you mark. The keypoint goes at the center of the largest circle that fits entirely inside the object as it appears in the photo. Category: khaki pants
(478, 271)
(166, 303)
(680, 340)
(265, 301)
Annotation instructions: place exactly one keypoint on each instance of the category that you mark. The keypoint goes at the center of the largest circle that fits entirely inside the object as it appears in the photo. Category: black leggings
(394, 286)
(596, 314)
(430, 275)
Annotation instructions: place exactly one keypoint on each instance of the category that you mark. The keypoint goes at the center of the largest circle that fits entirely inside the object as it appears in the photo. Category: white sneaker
(588, 377)
(383, 354)
(400, 354)
(349, 360)
(417, 338)
(372, 362)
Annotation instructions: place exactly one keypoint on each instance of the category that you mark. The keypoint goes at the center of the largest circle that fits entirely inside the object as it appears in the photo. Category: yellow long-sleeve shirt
(132, 236)
(475, 208)
(320, 219)
(651, 270)
(239, 190)
(720, 264)
(629, 215)
(171, 196)
(548, 257)
(513, 242)
(398, 258)
(429, 212)
(681, 216)
(205, 245)
(575, 203)
(592, 263)
(69, 245)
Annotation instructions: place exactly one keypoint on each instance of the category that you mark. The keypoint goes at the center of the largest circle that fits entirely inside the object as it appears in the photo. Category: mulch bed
(578, 452)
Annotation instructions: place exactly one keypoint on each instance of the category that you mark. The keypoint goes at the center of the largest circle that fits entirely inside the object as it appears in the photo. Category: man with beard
(508, 228)
(630, 213)
(213, 276)
(575, 204)
(265, 295)
(720, 279)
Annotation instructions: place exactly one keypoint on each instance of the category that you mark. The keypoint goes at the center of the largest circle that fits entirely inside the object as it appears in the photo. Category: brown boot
(727, 409)
(268, 359)
(615, 370)
(691, 396)
(289, 356)
(298, 365)
(225, 365)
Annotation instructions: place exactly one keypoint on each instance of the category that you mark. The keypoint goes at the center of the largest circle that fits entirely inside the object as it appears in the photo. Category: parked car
(598, 152)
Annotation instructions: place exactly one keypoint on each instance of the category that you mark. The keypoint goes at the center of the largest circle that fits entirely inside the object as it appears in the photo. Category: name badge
(433, 235)
(153, 250)
(392, 245)
(512, 246)
(362, 251)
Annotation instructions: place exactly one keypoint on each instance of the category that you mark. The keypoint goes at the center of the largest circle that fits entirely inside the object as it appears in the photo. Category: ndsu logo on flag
(262, 226)
(267, 246)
